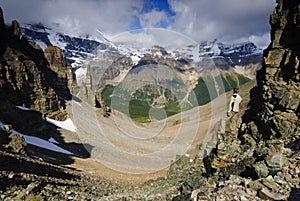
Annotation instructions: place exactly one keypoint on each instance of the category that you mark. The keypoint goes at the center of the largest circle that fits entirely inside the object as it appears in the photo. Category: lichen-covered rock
(269, 195)
(276, 162)
(6, 128)
(261, 169)
(17, 144)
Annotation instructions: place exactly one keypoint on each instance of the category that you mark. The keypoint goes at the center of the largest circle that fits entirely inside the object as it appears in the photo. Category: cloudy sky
(198, 20)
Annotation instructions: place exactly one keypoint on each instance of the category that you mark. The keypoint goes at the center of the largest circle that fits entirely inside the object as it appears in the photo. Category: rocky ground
(238, 168)
(22, 178)
(267, 171)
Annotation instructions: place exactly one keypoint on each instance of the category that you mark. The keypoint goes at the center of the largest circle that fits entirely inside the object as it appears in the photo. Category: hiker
(232, 113)
(234, 108)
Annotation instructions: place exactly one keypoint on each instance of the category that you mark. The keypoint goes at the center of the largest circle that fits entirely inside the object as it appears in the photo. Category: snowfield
(49, 145)
(67, 124)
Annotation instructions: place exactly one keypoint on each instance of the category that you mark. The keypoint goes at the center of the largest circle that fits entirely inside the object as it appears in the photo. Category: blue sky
(161, 6)
(200, 20)
(155, 5)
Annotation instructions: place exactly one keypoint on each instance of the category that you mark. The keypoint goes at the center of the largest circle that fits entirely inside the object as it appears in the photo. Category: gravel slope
(130, 152)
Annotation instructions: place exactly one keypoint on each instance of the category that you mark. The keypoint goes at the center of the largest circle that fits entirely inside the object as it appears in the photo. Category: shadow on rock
(31, 124)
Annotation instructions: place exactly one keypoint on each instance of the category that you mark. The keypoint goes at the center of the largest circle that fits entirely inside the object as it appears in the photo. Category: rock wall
(276, 97)
(63, 79)
(28, 76)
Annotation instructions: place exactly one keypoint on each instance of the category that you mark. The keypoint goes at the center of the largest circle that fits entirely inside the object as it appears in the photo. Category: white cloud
(76, 17)
(225, 20)
(261, 41)
(222, 19)
(153, 19)
(153, 36)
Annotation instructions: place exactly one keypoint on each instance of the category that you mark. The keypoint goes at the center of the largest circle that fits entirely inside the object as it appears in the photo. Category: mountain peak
(76, 49)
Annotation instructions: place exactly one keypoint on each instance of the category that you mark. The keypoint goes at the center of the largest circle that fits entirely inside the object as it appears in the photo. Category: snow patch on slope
(67, 124)
(80, 73)
(49, 145)
(23, 108)
(133, 53)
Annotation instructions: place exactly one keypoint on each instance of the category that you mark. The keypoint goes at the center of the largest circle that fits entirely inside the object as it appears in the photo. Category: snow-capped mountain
(76, 49)
(133, 53)
(80, 49)
(106, 65)
(236, 53)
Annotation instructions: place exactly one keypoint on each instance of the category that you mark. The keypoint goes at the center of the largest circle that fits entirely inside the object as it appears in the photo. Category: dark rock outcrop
(275, 100)
(28, 76)
(2, 25)
(63, 80)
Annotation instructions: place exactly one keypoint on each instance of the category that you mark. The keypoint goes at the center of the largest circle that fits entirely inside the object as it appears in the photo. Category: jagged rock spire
(285, 23)
(88, 79)
(275, 100)
(2, 25)
(15, 28)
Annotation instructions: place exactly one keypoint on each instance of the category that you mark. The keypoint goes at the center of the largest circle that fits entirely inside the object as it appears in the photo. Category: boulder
(17, 144)
(276, 162)
(269, 195)
(261, 169)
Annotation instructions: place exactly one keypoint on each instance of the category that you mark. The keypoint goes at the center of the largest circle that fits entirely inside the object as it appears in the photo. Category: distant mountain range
(78, 48)
(202, 71)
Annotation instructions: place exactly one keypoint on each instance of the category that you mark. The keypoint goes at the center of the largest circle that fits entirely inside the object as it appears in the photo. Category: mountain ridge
(43, 36)
(160, 67)
(75, 48)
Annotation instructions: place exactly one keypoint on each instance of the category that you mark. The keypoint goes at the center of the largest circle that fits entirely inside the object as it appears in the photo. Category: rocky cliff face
(64, 79)
(276, 98)
(29, 77)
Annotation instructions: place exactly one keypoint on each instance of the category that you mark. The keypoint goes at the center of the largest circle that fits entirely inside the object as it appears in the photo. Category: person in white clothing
(232, 113)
